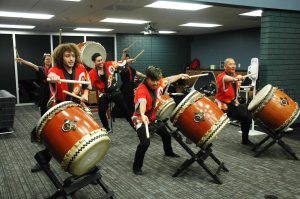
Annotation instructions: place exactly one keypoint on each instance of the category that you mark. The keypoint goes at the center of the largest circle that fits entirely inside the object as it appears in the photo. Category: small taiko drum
(274, 108)
(198, 118)
(73, 137)
(87, 49)
(164, 107)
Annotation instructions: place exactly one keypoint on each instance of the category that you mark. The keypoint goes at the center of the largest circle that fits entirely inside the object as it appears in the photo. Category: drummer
(66, 58)
(145, 100)
(127, 77)
(226, 98)
(103, 79)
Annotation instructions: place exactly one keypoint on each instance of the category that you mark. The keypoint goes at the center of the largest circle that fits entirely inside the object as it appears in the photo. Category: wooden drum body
(87, 49)
(198, 118)
(164, 107)
(73, 137)
(274, 108)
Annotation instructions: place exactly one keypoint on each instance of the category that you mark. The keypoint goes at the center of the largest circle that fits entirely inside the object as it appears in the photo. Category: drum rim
(50, 113)
(252, 105)
(85, 142)
(165, 105)
(92, 42)
(213, 131)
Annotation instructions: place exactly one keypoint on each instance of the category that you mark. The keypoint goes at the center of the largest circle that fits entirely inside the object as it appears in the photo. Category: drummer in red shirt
(145, 101)
(226, 98)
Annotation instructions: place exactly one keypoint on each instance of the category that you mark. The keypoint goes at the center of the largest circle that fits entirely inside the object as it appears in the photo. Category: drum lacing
(166, 103)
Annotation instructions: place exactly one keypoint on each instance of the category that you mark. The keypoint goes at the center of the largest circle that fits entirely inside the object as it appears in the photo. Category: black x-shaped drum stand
(276, 136)
(70, 184)
(198, 157)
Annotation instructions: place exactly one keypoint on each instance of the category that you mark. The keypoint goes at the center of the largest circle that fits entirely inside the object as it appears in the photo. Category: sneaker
(36, 168)
(138, 171)
(172, 155)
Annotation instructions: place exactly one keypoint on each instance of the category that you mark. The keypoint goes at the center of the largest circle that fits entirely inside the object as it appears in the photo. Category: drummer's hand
(144, 119)
(125, 50)
(84, 97)
(240, 78)
(184, 76)
(20, 60)
(53, 78)
(130, 60)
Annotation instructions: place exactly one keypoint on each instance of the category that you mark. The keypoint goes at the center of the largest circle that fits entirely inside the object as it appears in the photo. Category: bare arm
(175, 78)
(124, 53)
(35, 67)
(140, 74)
(142, 108)
(228, 78)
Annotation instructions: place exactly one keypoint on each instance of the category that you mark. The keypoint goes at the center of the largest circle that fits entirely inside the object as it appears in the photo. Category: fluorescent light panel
(130, 21)
(25, 15)
(203, 25)
(255, 13)
(166, 32)
(16, 26)
(93, 29)
(177, 5)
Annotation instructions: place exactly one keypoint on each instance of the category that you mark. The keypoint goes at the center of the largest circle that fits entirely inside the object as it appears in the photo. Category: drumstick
(17, 54)
(249, 75)
(199, 75)
(147, 130)
(178, 94)
(138, 54)
(71, 81)
(59, 41)
(71, 94)
(131, 44)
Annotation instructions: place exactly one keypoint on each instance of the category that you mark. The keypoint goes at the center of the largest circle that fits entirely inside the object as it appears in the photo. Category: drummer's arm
(140, 74)
(142, 109)
(124, 54)
(32, 65)
(175, 78)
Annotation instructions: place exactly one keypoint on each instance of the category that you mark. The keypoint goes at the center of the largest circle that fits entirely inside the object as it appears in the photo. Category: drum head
(88, 155)
(166, 110)
(87, 51)
(259, 97)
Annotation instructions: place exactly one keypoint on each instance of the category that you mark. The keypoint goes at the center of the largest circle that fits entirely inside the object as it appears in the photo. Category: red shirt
(80, 75)
(142, 94)
(225, 90)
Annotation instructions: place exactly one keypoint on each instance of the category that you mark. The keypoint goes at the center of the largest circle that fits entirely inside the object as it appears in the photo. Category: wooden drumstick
(138, 54)
(147, 130)
(131, 44)
(71, 94)
(59, 38)
(199, 75)
(17, 55)
(71, 81)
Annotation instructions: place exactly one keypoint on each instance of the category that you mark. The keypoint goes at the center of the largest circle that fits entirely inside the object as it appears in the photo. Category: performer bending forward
(145, 101)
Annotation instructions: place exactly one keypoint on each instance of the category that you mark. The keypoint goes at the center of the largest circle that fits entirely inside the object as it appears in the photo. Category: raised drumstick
(138, 54)
(71, 81)
(131, 44)
(199, 75)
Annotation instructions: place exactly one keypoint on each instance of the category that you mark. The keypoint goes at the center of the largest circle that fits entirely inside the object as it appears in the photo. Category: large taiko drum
(87, 49)
(164, 107)
(274, 108)
(198, 118)
(73, 137)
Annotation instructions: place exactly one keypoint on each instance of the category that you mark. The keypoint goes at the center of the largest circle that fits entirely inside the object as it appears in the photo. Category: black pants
(128, 95)
(118, 99)
(241, 114)
(158, 128)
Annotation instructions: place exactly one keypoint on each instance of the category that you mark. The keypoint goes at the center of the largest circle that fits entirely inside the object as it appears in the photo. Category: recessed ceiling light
(204, 25)
(255, 13)
(166, 32)
(130, 21)
(177, 5)
(94, 29)
(16, 26)
(25, 15)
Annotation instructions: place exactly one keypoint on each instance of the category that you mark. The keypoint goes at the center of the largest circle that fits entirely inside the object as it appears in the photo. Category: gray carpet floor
(273, 173)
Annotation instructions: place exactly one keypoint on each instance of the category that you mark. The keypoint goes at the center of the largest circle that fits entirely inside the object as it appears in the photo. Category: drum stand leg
(276, 136)
(71, 184)
(199, 157)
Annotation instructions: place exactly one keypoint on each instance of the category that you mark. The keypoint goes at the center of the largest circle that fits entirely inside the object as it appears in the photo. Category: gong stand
(71, 184)
(276, 136)
(198, 157)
